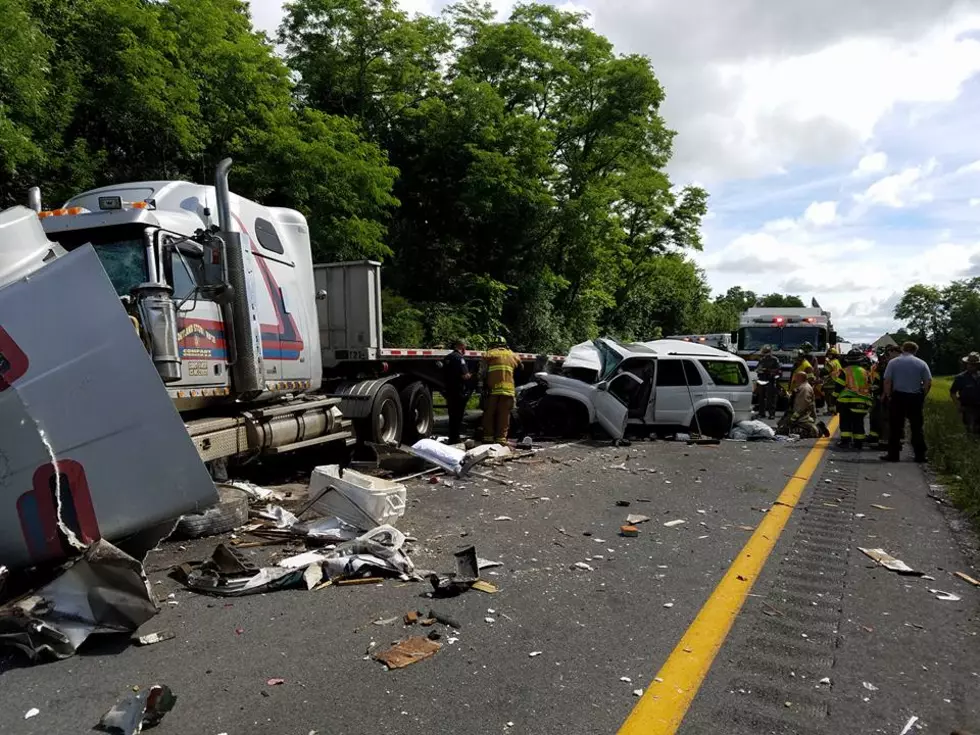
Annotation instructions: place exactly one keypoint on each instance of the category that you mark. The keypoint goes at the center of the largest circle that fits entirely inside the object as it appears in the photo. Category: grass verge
(954, 455)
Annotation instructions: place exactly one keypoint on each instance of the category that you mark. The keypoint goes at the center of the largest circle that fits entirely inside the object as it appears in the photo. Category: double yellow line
(663, 705)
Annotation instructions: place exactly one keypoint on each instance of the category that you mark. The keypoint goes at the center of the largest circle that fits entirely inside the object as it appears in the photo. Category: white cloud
(975, 201)
(872, 163)
(969, 168)
(906, 188)
(821, 214)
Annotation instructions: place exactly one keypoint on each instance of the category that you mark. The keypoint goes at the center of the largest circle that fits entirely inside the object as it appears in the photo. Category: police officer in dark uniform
(965, 392)
(769, 369)
(456, 378)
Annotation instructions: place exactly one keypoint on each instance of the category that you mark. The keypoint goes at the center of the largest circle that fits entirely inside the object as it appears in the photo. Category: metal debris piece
(407, 652)
(889, 562)
(138, 710)
(151, 638)
(909, 725)
(881, 507)
(633, 518)
(675, 522)
(945, 596)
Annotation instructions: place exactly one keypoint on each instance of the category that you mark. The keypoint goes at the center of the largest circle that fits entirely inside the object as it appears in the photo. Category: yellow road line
(665, 702)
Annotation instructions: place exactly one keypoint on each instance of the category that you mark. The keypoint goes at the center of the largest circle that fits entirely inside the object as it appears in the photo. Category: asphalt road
(592, 628)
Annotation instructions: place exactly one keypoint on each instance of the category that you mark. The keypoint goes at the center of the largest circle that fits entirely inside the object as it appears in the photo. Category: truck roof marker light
(809, 320)
(76, 210)
(45, 215)
(140, 205)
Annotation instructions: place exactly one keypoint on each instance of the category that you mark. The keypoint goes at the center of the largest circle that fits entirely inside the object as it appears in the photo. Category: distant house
(885, 340)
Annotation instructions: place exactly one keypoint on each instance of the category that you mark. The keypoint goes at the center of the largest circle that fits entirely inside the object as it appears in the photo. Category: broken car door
(613, 399)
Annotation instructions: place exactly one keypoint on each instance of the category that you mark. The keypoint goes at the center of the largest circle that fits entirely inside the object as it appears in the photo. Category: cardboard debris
(407, 652)
(889, 562)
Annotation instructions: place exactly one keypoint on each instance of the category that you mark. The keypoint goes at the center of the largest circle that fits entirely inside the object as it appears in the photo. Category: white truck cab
(664, 383)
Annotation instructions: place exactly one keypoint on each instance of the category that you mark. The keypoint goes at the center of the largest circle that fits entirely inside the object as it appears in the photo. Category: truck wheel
(385, 424)
(231, 511)
(416, 411)
(715, 422)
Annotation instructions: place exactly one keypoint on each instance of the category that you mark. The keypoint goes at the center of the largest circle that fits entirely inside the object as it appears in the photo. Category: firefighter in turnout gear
(499, 366)
(802, 364)
(854, 400)
(769, 371)
(833, 380)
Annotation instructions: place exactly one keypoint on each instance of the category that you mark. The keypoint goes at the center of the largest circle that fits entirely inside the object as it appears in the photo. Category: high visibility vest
(836, 370)
(857, 387)
(805, 367)
(500, 371)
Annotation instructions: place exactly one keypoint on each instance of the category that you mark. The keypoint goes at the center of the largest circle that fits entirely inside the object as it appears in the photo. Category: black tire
(715, 422)
(230, 512)
(416, 412)
(384, 426)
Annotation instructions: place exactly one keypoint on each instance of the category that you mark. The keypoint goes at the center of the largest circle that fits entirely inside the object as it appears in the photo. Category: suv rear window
(726, 372)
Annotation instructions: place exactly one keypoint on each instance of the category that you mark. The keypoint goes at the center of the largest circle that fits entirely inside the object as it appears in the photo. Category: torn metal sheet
(889, 562)
(406, 652)
(105, 591)
(278, 515)
(326, 530)
(228, 574)
(91, 445)
(138, 711)
(378, 551)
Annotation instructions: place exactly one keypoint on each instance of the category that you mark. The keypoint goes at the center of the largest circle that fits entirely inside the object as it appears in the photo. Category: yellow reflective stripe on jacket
(500, 372)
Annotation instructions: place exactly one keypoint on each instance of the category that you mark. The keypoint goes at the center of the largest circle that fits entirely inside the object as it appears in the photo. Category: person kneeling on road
(965, 393)
(800, 417)
(499, 365)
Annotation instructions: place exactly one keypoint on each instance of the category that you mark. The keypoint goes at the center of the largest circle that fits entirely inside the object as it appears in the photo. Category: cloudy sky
(839, 140)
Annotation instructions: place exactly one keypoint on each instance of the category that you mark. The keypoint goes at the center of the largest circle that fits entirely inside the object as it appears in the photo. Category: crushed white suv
(660, 384)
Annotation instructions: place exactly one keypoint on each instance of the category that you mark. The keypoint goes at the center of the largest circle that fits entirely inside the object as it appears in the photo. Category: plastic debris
(503, 518)
(583, 566)
(626, 679)
(637, 692)
(407, 652)
(32, 712)
(275, 682)
(675, 522)
(668, 604)
(635, 518)
(869, 686)
(878, 506)
(138, 710)
(533, 654)
(945, 596)
(889, 562)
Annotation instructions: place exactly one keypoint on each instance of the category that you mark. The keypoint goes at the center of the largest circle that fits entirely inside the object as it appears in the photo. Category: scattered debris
(489, 620)
(138, 710)
(32, 712)
(629, 531)
(909, 725)
(386, 621)
(533, 654)
(878, 506)
(275, 682)
(869, 686)
(407, 652)
(825, 681)
(503, 518)
(945, 596)
(151, 638)
(668, 604)
(967, 578)
(411, 618)
(444, 619)
(103, 591)
(484, 586)
(889, 562)
(466, 575)
(637, 692)
(626, 679)
(635, 518)
(675, 522)
(229, 574)
(582, 566)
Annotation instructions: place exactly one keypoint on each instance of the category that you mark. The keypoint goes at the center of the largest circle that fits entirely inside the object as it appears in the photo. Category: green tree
(777, 300)
(738, 299)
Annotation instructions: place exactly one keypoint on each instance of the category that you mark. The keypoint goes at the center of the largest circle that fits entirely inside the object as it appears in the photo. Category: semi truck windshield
(121, 250)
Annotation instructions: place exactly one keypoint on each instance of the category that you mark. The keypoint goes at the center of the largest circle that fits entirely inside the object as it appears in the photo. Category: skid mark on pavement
(665, 702)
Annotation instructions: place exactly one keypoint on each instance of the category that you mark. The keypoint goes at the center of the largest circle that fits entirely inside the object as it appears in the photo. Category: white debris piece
(945, 596)
(675, 522)
(637, 692)
(489, 620)
(668, 604)
(503, 518)
(32, 712)
(626, 679)
(909, 725)
(825, 680)
(582, 565)
(532, 654)
(869, 686)
(634, 518)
